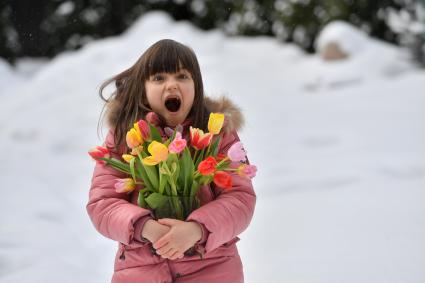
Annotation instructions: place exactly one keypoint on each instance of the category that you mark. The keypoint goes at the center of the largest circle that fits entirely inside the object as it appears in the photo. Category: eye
(183, 76)
(157, 77)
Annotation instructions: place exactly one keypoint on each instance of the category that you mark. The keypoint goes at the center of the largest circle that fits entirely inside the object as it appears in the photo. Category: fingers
(168, 221)
(177, 255)
(170, 253)
(162, 241)
(166, 251)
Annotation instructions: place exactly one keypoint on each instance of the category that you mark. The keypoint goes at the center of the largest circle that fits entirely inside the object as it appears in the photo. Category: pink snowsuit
(223, 215)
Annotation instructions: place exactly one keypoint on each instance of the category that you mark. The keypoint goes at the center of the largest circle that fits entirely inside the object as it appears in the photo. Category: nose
(171, 84)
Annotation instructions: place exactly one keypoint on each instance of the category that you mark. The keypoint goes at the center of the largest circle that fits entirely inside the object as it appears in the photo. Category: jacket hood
(234, 120)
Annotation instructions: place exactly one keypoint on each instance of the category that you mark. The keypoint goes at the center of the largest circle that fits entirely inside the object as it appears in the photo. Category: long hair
(128, 103)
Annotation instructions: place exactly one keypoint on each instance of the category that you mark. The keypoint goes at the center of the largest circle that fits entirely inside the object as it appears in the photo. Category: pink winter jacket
(223, 214)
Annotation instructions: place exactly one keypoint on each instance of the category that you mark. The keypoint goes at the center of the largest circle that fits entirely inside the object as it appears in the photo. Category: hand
(181, 237)
(152, 230)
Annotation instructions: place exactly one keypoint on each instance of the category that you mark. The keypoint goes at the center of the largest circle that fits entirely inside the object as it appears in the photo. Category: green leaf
(141, 199)
(151, 172)
(155, 200)
(144, 175)
(156, 136)
(162, 180)
(117, 164)
(133, 173)
(187, 168)
(199, 158)
(214, 147)
(194, 188)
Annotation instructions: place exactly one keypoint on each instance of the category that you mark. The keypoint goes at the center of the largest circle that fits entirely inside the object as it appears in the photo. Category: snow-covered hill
(340, 149)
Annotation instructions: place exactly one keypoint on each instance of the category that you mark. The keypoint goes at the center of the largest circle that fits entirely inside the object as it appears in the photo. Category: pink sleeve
(138, 228)
(205, 233)
(231, 212)
(112, 213)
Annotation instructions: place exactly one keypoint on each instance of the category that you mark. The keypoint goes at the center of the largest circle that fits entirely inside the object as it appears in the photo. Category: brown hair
(128, 103)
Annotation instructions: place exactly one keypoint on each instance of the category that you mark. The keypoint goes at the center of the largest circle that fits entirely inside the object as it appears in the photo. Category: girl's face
(171, 95)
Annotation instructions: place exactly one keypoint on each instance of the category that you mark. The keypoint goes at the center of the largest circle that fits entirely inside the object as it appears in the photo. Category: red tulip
(144, 130)
(199, 139)
(99, 152)
(207, 166)
(223, 180)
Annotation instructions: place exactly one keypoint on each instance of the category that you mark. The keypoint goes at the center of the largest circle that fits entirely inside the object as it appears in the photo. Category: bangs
(169, 58)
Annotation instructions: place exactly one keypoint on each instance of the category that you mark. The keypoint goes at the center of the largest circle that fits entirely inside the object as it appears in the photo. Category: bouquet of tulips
(167, 171)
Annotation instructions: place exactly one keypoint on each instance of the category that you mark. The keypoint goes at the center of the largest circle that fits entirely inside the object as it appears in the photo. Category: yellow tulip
(158, 151)
(133, 138)
(215, 123)
(127, 157)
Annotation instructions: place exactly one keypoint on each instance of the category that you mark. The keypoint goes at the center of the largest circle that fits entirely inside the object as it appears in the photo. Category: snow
(340, 149)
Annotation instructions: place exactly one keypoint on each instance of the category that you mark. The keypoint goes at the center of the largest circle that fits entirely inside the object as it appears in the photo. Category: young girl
(167, 80)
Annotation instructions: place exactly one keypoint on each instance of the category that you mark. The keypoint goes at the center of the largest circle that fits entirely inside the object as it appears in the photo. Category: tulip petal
(215, 123)
(150, 160)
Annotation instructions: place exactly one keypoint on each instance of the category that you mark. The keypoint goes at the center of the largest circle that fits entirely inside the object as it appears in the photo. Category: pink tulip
(178, 144)
(153, 118)
(236, 152)
(124, 185)
(247, 170)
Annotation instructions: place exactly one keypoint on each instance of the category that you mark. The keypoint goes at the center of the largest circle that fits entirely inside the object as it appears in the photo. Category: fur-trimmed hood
(234, 119)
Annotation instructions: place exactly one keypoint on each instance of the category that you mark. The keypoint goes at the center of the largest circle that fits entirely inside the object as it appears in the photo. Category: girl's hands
(181, 237)
(152, 230)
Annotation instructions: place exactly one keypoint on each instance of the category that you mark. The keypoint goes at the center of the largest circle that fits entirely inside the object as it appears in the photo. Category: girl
(167, 80)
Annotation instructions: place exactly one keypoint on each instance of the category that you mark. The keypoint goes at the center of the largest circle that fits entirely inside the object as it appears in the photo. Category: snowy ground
(341, 181)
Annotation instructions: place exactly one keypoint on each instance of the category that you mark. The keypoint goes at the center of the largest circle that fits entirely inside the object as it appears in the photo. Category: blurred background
(333, 97)
(45, 28)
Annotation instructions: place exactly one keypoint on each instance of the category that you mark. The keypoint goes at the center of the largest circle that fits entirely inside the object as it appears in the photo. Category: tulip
(144, 129)
(168, 131)
(178, 144)
(134, 138)
(124, 185)
(246, 170)
(99, 152)
(158, 151)
(215, 123)
(223, 180)
(153, 118)
(207, 166)
(127, 157)
(236, 152)
(198, 139)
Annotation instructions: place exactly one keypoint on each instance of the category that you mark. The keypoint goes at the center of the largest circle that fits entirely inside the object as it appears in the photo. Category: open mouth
(172, 104)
